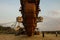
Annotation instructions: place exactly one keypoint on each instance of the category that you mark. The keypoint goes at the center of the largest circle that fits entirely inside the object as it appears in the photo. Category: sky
(50, 11)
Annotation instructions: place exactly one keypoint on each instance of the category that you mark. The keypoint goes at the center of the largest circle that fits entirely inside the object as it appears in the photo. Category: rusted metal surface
(29, 10)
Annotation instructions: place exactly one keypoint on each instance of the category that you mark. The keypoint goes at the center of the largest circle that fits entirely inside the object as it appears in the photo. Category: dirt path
(24, 37)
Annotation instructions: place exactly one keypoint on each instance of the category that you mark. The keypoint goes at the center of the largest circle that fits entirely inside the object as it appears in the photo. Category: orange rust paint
(29, 11)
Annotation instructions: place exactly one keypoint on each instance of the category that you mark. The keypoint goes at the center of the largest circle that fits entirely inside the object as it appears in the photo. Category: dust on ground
(24, 37)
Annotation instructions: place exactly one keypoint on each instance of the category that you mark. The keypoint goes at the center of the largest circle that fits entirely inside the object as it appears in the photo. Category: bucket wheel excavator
(30, 10)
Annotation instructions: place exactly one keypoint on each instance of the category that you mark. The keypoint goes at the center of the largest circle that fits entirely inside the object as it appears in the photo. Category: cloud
(52, 13)
(49, 24)
(55, 12)
(51, 21)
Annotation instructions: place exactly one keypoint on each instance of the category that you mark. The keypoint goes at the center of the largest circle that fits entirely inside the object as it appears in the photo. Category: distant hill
(6, 30)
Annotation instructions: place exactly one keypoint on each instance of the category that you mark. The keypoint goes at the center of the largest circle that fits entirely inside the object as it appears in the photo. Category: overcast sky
(50, 10)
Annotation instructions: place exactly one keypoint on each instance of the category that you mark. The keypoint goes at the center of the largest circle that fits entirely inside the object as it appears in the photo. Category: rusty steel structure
(30, 10)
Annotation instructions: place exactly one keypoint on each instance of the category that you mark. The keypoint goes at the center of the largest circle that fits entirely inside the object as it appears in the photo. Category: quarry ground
(24, 37)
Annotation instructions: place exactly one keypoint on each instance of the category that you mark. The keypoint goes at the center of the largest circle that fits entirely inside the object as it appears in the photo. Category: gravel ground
(24, 37)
